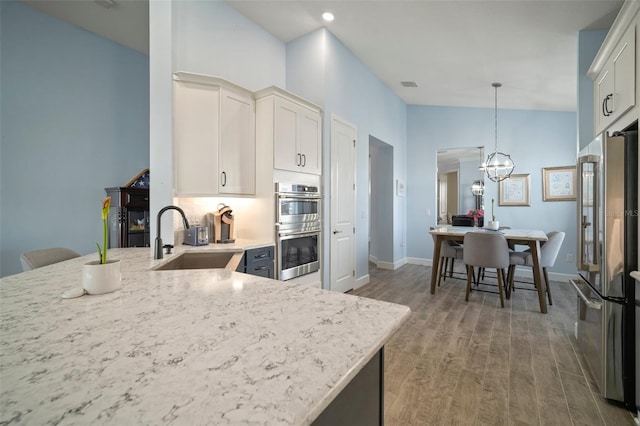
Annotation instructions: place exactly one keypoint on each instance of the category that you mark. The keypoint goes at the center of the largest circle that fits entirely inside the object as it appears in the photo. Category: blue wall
(353, 93)
(535, 139)
(75, 119)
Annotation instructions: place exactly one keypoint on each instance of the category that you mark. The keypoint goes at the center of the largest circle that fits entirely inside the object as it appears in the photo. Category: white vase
(98, 278)
(493, 225)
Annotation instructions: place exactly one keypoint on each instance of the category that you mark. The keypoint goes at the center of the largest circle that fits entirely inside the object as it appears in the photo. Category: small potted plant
(102, 275)
(493, 223)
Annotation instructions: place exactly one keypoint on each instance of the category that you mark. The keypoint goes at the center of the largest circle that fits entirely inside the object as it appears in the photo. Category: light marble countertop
(179, 347)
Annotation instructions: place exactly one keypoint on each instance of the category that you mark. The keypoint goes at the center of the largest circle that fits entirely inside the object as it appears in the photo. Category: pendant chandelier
(477, 187)
(498, 165)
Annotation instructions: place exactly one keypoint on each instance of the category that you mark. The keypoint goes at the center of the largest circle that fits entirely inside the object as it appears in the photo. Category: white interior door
(343, 195)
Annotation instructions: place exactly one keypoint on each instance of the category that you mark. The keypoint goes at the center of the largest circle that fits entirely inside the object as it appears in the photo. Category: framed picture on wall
(559, 183)
(514, 191)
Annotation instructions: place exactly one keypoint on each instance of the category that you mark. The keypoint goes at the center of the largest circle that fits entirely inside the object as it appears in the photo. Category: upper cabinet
(614, 72)
(214, 137)
(294, 127)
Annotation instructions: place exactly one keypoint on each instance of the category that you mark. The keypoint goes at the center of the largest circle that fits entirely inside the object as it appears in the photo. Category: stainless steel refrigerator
(607, 205)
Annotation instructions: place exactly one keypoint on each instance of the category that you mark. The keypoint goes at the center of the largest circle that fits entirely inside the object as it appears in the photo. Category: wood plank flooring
(478, 364)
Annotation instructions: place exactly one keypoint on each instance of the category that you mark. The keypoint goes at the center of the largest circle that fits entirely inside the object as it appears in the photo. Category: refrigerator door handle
(593, 304)
(612, 299)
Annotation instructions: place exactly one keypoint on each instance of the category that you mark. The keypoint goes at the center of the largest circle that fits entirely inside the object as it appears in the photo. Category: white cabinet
(615, 81)
(214, 137)
(294, 125)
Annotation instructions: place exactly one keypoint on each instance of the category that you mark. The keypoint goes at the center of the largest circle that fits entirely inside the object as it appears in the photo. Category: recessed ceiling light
(328, 16)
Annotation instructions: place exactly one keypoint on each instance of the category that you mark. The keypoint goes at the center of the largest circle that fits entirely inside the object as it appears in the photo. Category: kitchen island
(180, 347)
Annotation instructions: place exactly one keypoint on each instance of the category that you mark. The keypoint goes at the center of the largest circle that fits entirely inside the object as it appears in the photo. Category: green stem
(104, 242)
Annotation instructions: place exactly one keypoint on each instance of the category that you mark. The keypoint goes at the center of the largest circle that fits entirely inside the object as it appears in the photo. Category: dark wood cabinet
(129, 217)
(258, 261)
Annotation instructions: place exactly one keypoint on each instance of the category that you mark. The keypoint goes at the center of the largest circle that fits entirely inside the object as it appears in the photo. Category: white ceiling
(126, 22)
(452, 49)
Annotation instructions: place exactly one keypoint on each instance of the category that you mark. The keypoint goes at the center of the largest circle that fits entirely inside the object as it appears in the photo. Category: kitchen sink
(203, 260)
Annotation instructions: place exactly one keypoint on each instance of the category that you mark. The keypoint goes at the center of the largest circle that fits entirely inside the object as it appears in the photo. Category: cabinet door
(615, 87)
(237, 148)
(310, 142)
(624, 72)
(196, 112)
(286, 155)
(604, 99)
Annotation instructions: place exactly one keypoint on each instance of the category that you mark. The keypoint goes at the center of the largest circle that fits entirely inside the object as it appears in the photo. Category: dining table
(526, 237)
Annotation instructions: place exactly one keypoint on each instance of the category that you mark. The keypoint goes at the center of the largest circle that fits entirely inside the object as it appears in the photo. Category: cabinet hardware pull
(224, 178)
(337, 232)
(605, 105)
(260, 256)
(299, 160)
(261, 268)
(304, 160)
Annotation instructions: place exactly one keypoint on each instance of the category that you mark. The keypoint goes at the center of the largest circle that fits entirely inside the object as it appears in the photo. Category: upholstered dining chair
(486, 250)
(548, 253)
(449, 252)
(38, 258)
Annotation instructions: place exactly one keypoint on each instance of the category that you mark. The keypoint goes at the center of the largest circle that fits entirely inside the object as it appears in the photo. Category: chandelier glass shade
(498, 166)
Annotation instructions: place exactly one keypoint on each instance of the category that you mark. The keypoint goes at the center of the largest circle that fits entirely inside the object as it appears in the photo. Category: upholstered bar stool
(486, 250)
(38, 258)
(548, 253)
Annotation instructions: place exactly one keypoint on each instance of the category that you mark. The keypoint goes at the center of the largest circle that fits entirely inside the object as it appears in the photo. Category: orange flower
(106, 204)
(102, 251)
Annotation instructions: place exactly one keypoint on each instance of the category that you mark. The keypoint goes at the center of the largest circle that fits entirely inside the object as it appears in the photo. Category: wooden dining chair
(486, 250)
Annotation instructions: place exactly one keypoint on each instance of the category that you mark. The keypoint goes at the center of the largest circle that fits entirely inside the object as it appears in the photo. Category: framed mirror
(460, 184)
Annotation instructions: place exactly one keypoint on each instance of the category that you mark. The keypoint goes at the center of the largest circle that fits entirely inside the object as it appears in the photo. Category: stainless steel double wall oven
(298, 229)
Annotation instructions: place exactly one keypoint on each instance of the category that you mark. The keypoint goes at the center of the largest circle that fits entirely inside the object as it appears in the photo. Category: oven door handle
(310, 232)
(299, 197)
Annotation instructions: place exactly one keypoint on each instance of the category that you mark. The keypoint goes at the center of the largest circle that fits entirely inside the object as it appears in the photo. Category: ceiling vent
(408, 84)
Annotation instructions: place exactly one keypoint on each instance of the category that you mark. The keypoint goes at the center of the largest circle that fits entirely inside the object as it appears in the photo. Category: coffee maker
(221, 225)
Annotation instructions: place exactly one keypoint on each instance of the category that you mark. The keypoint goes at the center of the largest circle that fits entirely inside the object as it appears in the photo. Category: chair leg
(512, 280)
(443, 271)
(451, 268)
(499, 273)
(440, 269)
(546, 281)
(505, 279)
(509, 282)
(469, 274)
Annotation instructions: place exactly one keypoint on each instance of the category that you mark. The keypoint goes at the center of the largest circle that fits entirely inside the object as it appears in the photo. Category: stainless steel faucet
(157, 253)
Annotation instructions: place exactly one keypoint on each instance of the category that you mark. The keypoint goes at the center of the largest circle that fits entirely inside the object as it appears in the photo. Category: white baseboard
(387, 265)
(361, 281)
(553, 276)
(520, 272)
(419, 261)
(391, 265)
